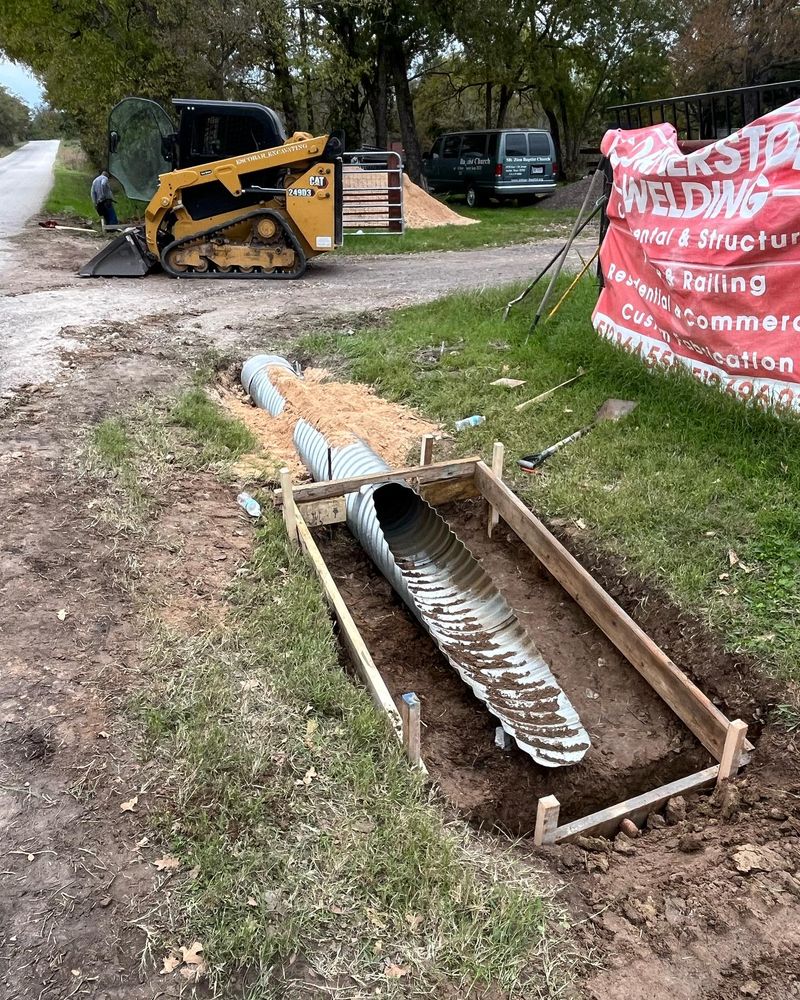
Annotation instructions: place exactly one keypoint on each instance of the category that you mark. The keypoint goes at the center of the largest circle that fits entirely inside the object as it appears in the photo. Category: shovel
(612, 409)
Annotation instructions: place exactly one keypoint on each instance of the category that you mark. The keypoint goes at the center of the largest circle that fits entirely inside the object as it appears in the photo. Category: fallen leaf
(193, 873)
(509, 383)
(102, 735)
(61, 615)
(711, 534)
(167, 863)
(130, 805)
(193, 955)
(745, 569)
(732, 557)
(251, 901)
(580, 524)
(171, 963)
(724, 576)
(309, 776)
(143, 842)
(413, 920)
(312, 725)
(377, 948)
(394, 971)
(375, 919)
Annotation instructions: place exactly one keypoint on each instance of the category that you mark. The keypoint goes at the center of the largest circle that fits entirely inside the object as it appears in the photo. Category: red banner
(702, 257)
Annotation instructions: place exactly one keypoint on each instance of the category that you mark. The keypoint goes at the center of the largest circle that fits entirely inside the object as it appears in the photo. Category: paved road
(25, 180)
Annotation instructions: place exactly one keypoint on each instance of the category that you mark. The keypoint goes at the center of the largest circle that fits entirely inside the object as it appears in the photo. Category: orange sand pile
(342, 411)
(420, 210)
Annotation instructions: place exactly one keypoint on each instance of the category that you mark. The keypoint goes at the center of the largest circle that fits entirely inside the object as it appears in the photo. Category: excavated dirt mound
(422, 211)
(342, 411)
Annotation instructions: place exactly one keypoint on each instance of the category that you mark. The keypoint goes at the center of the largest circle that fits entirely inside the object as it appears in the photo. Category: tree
(14, 119)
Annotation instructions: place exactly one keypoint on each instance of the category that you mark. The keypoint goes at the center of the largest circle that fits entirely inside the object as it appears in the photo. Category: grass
(285, 795)
(70, 197)
(689, 477)
(499, 225)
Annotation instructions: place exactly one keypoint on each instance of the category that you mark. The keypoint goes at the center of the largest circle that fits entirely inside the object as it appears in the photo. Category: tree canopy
(397, 69)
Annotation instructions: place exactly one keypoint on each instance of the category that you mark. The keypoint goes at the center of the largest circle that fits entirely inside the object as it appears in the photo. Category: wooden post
(289, 509)
(409, 713)
(498, 454)
(426, 450)
(546, 820)
(732, 750)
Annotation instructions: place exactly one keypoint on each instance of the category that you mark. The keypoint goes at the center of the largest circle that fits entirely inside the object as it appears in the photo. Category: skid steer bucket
(125, 257)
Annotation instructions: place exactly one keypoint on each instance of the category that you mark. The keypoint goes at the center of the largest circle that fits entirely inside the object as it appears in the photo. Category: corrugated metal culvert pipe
(444, 586)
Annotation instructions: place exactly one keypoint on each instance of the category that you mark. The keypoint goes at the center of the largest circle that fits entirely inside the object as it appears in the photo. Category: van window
(451, 144)
(436, 152)
(516, 144)
(493, 137)
(539, 143)
(474, 145)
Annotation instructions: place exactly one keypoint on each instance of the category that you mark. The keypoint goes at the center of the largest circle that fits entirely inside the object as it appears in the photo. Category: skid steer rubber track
(205, 239)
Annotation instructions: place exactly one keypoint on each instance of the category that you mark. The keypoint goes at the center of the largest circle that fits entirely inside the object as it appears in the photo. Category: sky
(20, 81)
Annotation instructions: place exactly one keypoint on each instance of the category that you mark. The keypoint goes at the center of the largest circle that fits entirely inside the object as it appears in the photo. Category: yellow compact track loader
(238, 199)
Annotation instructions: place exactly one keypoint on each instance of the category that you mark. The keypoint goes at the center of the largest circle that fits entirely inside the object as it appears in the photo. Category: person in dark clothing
(103, 199)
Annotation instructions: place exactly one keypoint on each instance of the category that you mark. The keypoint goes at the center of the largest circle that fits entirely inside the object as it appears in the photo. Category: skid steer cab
(229, 195)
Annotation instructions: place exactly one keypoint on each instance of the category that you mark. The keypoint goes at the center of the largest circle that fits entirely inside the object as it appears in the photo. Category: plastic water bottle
(474, 421)
(246, 502)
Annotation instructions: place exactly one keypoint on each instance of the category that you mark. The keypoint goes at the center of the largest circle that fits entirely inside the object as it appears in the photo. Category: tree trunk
(405, 107)
(285, 89)
(502, 105)
(308, 98)
(487, 118)
(555, 131)
(376, 87)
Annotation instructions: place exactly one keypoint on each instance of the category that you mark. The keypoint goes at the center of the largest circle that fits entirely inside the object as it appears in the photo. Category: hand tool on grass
(612, 409)
(548, 392)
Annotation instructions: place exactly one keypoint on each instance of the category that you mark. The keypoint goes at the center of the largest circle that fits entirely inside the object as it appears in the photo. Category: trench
(637, 742)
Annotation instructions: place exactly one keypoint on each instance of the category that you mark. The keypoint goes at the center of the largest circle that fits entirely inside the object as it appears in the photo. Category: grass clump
(308, 831)
(500, 225)
(689, 477)
(220, 437)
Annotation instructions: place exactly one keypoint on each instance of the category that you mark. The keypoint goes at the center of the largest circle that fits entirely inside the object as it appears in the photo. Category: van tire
(474, 197)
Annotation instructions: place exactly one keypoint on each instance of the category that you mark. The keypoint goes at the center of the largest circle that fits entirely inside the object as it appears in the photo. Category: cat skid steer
(229, 196)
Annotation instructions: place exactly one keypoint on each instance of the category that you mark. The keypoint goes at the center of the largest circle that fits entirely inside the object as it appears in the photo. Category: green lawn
(499, 225)
(691, 475)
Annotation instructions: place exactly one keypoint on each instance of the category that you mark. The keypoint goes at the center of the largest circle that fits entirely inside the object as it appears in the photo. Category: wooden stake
(289, 509)
(498, 454)
(546, 820)
(409, 713)
(732, 750)
(426, 450)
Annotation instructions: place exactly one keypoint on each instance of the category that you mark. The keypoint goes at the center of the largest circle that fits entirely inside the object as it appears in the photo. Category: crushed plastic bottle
(246, 502)
(474, 421)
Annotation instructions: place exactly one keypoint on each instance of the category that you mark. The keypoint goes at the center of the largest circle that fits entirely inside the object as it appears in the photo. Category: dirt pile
(570, 195)
(422, 211)
(342, 411)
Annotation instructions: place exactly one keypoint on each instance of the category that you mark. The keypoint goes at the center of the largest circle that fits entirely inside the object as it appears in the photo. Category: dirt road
(47, 299)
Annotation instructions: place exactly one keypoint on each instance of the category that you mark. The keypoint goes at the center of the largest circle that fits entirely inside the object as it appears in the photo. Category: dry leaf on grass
(413, 920)
(61, 615)
(309, 776)
(312, 725)
(130, 805)
(167, 863)
(251, 901)
(394, 971)
(193, 955)
(171, 963)
(732, 557)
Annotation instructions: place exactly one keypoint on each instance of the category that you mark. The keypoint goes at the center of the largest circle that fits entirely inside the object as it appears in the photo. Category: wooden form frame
(324, 503)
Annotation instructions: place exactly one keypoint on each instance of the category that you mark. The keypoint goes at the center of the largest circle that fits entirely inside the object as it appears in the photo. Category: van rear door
(540, 150)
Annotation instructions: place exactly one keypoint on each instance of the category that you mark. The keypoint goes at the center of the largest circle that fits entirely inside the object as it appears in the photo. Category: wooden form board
(606, 822)
(725, 740)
